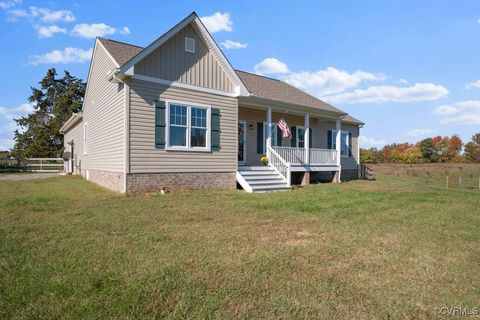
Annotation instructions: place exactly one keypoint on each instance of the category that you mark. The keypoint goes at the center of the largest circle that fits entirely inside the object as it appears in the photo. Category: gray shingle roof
(121, 52)
(258, 86)
(274, 89)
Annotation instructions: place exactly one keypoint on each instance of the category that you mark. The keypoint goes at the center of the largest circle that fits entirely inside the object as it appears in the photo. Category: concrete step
(263, 178)
(257, 173)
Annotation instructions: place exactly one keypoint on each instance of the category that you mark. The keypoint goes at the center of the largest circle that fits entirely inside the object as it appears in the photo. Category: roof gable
(196, 23)
(120, 52)
(172, 62)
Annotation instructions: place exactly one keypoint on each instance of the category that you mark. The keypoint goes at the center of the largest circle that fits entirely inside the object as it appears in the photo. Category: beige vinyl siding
(75, 134)
(171, 62)
(319, 137)
(145, 158)
(103, 112)
(347, 162)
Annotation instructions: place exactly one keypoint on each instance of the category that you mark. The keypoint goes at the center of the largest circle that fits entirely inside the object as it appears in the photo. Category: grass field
(391, 248)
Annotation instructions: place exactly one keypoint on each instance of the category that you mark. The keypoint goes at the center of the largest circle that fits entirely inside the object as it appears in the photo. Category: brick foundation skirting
(145, 182)
(110, 180)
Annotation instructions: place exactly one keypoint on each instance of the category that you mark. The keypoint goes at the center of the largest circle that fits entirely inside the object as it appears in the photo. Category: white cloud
(403, 81)
(229, 44)
(475, 84)
(43, 14)
(420, 132)
(271, 66)
(49, 31)
(47, 15)
(445, 110)
(68, 55)
(90, 31)
(463, 112)
(7, 115)
(9, 4)
(371, 142)
(16, 112)
(6, 144)
(380, 94)
(125, 30)
(218, 22)
(330, 80)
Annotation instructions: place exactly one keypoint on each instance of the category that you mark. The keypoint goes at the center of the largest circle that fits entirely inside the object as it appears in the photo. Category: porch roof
(273, 89)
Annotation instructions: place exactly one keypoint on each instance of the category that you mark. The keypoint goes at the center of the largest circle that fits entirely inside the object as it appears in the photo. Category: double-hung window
(188, 127)
(344, 143)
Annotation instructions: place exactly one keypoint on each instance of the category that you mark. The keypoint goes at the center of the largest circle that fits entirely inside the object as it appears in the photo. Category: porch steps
(261, 179)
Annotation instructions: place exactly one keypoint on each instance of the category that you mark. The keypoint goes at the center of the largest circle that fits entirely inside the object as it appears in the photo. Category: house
(176, 115)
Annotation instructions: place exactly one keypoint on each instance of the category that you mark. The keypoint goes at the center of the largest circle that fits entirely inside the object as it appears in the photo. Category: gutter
(71, 121)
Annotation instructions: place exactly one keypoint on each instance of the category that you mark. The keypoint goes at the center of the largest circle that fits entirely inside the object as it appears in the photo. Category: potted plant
(264, 160)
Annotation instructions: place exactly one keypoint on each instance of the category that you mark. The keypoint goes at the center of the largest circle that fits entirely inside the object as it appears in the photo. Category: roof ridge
(121, 42)
(259, 75)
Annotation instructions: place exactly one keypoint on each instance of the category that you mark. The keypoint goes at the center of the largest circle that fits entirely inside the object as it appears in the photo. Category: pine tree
(53, 103)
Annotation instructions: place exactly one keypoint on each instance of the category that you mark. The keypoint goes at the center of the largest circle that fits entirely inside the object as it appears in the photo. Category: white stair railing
(281, 166)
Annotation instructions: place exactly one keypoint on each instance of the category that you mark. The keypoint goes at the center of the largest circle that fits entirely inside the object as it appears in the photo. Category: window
(344, 149)
(188, 127)
(85, 133)
(274, 136)
(198, 136)
(178, 125)
(189, 45)
(300, 137)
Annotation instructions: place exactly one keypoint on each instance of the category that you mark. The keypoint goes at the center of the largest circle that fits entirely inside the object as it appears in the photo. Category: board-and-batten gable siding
(145, 158)
(171, 62)
(319, 133)
(76, 134)
(103, 112)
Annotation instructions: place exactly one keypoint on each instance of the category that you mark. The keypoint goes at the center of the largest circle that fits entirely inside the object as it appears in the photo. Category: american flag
(282, 125)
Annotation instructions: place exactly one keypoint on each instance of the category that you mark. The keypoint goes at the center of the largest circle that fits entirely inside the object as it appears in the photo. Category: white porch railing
(323, 156)
(297, 156)
(279, 164)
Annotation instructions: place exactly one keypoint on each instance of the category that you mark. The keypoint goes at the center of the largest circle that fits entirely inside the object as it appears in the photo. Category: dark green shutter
(310, 135)
(349, 144)
(329, 139)
(215, 132)
(279, 137)
(294, 136)
(260, 137)
(160, 124)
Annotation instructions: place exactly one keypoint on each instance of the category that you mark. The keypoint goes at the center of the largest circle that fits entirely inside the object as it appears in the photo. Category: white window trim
(188, 147)
(347, 142)
(85, 138)
(298, 135)
(274, 136)
(186, 46)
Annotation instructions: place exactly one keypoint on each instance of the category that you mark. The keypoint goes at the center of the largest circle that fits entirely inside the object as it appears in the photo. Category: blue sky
(409, 69)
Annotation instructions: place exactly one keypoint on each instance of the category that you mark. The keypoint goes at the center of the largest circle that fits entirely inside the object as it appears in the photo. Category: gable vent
(189, 45)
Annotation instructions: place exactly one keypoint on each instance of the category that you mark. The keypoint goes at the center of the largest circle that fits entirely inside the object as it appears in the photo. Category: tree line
(430, 150)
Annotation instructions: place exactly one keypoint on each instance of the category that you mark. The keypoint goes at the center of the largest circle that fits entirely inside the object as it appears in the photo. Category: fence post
(447, 182)
(460, 182)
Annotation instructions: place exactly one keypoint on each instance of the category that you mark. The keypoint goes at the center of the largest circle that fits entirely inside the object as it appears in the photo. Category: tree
(429, 150)
(472, 149)
(53, 103)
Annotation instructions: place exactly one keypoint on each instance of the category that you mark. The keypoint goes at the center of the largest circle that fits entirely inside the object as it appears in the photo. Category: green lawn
(391, 248)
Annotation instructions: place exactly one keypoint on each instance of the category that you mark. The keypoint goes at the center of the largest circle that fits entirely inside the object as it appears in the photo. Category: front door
(242, 142)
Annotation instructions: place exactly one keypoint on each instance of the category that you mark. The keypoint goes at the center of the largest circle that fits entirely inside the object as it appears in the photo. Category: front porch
(309, 150)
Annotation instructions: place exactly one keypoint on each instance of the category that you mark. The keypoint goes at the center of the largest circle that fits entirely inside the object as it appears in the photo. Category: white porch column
(307, 138)
(269, 131)
(338, 146)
